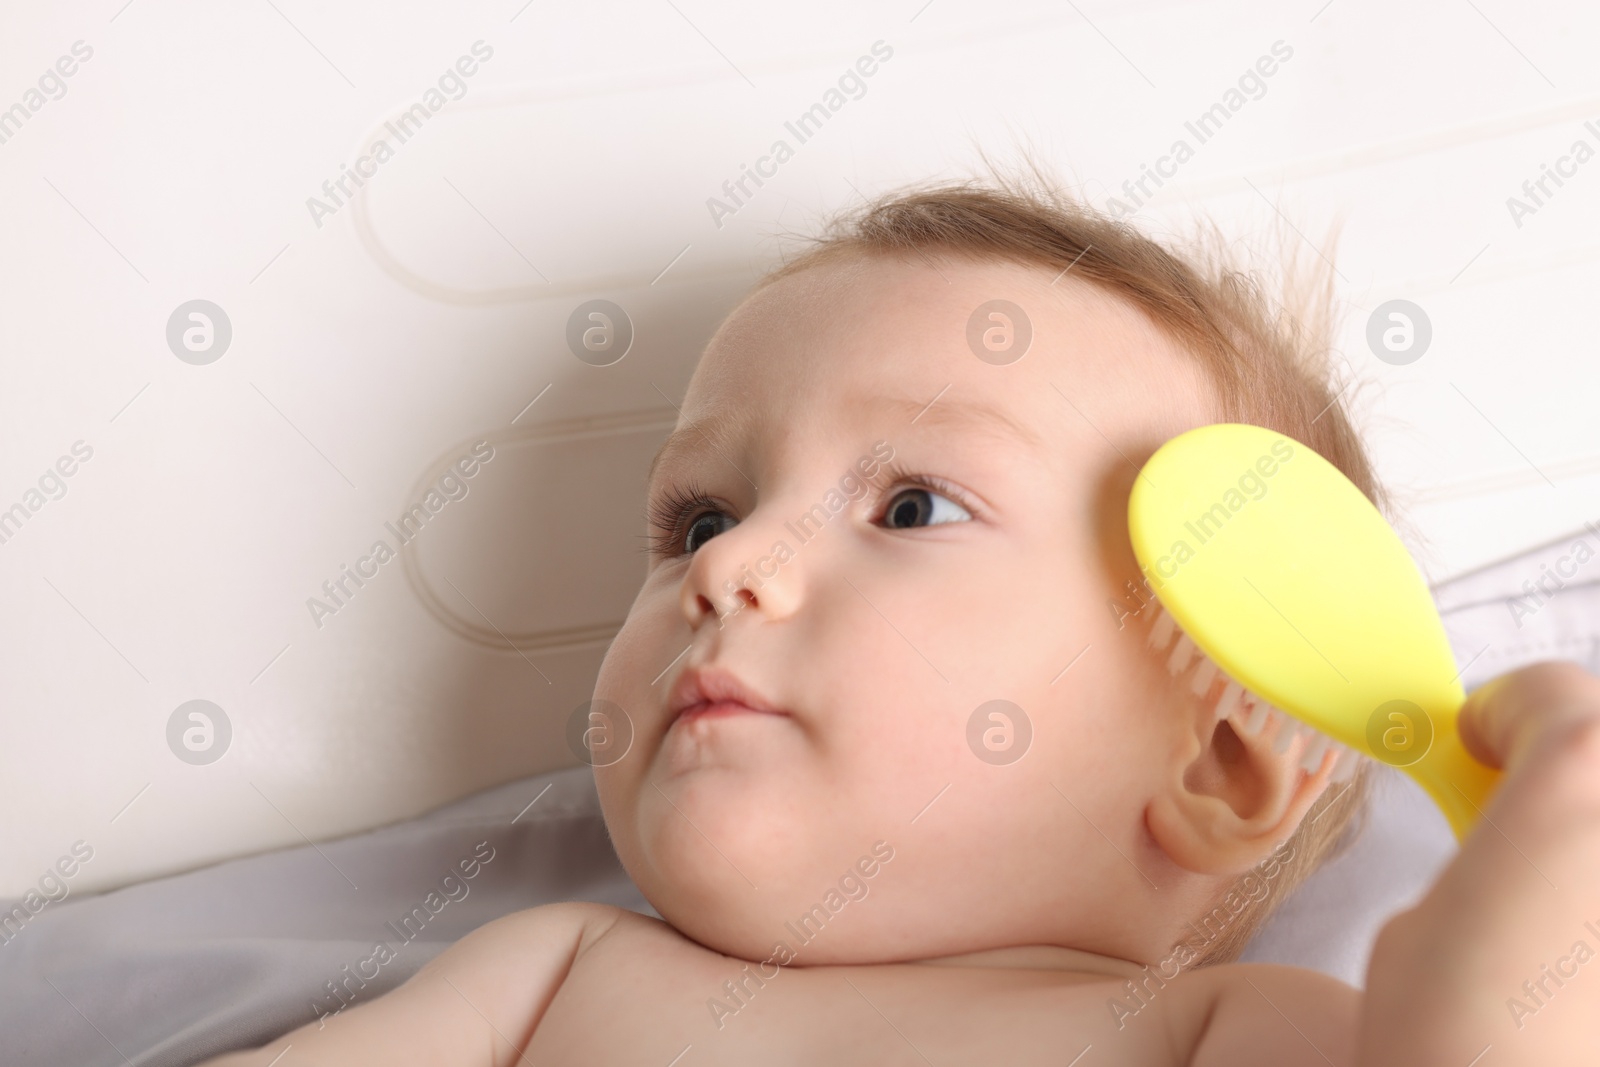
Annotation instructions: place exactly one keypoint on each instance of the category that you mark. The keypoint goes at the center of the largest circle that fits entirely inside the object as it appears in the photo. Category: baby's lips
(710, 684)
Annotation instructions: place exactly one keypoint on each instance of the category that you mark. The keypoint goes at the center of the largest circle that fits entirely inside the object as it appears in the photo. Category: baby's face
(982, 566)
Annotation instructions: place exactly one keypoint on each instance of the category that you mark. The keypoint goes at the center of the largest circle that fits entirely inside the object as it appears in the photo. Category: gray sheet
(172, 971)
(169, 972)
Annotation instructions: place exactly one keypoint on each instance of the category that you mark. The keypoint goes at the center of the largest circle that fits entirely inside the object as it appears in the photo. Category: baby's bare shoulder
(1272, 1015)
(464, 1007)
(574, 925)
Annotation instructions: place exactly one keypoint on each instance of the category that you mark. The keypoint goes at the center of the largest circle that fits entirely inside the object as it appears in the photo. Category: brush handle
(1457, 782)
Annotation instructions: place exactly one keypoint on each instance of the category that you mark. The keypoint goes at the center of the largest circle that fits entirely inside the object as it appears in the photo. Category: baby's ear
(1225, 799)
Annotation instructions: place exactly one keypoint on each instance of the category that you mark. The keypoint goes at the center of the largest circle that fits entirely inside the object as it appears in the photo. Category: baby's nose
(731, 575)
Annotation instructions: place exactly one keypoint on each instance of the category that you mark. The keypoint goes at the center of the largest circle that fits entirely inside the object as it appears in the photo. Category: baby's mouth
(719, 709)
(709, 693)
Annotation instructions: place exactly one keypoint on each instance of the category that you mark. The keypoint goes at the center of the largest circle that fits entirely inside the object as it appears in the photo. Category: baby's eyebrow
(972, 415)
(969, 415)
(691, 437)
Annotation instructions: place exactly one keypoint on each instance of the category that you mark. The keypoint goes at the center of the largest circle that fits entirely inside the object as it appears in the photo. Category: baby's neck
(1041, 958)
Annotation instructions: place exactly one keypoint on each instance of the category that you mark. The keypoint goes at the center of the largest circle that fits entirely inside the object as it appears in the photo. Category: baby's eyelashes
(911, 505)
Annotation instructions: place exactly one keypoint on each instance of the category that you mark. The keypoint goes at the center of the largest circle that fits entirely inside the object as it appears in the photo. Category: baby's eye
(700, 530)
(670, 538)
(915, 500)
(684, 520)
(916, 506)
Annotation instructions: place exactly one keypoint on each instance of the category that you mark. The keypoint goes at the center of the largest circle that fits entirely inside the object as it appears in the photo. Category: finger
(1505, 718)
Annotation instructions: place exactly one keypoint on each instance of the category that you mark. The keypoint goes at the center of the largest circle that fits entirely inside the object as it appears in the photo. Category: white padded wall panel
(428, 314)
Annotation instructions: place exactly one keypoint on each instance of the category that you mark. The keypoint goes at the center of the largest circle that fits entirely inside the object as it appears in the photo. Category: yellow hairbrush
(1282, 582)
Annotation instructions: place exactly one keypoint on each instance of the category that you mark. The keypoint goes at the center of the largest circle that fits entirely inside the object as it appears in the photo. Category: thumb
(1506, 717)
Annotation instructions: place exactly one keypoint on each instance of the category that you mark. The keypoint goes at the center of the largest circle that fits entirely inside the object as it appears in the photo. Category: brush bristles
(1182, 655)
(1311, 762)
(1161, 633)
(1288, 730)
(1232, 695)
(1247, 713)
(1259, 711)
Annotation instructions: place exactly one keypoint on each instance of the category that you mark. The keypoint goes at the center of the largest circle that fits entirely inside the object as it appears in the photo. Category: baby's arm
(476, 1003)
(1270, 1015)
(1446, 977)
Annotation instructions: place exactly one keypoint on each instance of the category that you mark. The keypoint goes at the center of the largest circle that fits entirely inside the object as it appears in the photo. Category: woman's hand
(1500, 963)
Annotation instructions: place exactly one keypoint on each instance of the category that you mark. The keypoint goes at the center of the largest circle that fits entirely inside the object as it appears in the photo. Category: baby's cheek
(631, 673)
(633, 716)
(891, 759)
(617, 679)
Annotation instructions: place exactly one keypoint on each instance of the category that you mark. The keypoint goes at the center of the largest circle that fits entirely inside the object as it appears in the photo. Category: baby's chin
(788, 929)
(770, 891)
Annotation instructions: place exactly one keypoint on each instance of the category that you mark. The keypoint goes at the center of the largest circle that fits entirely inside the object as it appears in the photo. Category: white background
(577, 165)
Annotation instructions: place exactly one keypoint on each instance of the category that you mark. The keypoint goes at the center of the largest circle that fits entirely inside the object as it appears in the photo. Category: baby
(883, 742)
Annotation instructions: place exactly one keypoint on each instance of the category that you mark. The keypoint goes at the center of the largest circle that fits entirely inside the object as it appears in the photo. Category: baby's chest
(649, 1001)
